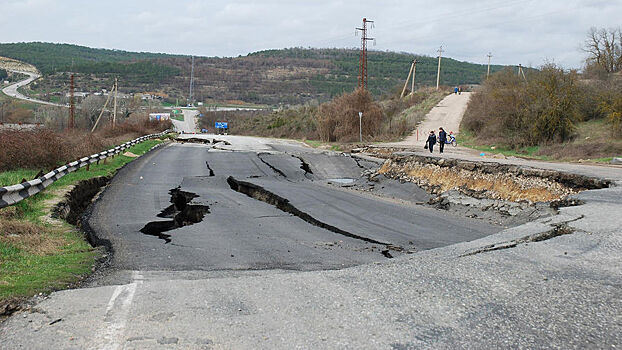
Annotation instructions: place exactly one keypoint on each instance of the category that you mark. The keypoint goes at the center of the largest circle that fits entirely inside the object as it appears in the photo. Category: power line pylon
(438, 74)
(363, 54)
(489, 56)
(72, 105)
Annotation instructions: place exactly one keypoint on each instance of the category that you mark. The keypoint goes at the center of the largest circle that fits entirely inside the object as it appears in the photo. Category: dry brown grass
(46, 149)
(498, 186)
(32, 238)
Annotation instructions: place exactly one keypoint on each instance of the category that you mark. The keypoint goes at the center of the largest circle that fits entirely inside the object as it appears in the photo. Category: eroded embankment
(501, 193)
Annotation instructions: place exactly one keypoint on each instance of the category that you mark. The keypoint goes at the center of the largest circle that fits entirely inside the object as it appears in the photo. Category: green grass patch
(313, 143)
(32, 208)
(24, 269)
(24, 274)
(179, 117)
(466, 139)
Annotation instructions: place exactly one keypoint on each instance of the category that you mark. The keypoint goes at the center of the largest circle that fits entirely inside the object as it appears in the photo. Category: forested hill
(294, 75)
(50, 58)
(386, 70)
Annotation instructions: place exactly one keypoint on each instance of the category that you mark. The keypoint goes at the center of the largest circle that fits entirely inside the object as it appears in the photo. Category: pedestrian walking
(456, 90)
(429, 143)
(442, 139)
(460, 90)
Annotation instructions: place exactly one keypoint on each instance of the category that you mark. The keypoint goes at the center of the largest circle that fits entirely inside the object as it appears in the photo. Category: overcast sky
(529, 32)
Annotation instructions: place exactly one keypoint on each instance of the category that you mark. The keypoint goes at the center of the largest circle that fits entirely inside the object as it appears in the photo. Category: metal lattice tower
(363, 54)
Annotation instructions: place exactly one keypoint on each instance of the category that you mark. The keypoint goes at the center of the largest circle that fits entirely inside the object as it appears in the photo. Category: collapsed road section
(181, 213)
(301, 223)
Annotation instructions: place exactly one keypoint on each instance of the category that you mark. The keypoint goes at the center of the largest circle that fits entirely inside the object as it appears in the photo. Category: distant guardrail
(10, 195)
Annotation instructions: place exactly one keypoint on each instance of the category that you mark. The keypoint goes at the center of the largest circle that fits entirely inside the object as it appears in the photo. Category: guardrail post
(88, 167)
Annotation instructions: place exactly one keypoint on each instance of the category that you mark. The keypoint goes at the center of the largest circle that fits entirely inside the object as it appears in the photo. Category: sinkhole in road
(181, 213)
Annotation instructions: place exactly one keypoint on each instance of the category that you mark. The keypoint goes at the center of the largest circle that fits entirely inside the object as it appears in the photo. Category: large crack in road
(181, 213)
(261, 194)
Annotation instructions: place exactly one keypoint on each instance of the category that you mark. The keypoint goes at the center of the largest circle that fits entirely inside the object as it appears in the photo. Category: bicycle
(451, 140)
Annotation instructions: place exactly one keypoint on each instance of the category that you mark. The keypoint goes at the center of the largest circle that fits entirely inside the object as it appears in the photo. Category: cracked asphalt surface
(243, 233)
(561, 292)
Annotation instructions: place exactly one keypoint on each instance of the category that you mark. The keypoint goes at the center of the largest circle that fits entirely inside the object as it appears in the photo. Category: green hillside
(385, 69)
(50, 57)
(288, 76)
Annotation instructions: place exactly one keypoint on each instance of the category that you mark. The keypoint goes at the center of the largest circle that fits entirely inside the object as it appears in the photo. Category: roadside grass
(179, 117)
(593, 142)
(37, 255)
(466, 139)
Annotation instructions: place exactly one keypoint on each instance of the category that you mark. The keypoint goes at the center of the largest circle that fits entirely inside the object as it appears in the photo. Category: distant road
(188, 125)
(11, 90)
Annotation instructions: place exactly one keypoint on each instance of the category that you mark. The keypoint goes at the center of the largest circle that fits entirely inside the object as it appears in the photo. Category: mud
(72, 208)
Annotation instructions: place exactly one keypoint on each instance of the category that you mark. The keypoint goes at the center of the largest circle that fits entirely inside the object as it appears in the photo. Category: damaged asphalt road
(554, 282)
(181, 208)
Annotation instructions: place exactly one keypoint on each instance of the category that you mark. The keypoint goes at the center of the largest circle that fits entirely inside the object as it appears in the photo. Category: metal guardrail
(10, 195)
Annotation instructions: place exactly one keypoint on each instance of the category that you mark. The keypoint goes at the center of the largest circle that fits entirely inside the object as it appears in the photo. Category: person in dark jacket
(442, 139)
(431, 141)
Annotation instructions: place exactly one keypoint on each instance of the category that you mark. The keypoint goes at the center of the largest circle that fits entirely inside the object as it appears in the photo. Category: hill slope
(292, 76)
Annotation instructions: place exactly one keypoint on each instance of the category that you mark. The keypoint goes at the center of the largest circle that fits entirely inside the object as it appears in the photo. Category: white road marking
(116, 316)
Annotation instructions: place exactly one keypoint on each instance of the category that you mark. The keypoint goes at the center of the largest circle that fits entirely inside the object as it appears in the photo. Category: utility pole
(438, 74)
(103, 109)
(72, 107)
(407, 78)
(361, 127)
(363, 54)
(413, 70)
(114, 110)
(191, 80)
(521, 72)
(489, 56)
(412, 87)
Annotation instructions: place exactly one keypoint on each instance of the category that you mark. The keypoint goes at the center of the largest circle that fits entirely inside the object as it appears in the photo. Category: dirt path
(448, 114)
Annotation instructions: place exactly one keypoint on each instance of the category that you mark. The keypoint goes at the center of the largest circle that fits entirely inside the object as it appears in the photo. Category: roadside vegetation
(335, 122)
(39, 253)
(44, 149)
(553, 113)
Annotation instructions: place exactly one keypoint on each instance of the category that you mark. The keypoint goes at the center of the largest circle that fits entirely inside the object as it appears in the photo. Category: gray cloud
(515, 31)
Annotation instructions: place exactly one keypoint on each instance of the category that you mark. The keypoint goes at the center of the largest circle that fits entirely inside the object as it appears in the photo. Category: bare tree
(604, 47)
(89, 109)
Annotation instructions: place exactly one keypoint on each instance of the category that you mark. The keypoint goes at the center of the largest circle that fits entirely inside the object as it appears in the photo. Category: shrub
(45, 149)
(338, 120)
(611, 106)
(518, 112)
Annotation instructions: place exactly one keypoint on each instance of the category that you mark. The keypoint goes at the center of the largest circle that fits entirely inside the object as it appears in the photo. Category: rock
(130, 154)
(616, 161)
